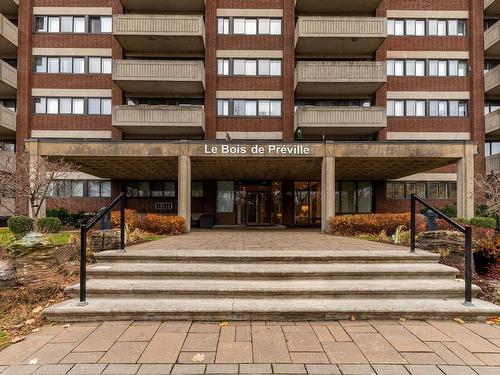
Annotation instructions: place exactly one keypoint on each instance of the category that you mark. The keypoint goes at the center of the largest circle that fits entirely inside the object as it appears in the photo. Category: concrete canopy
(158, 160)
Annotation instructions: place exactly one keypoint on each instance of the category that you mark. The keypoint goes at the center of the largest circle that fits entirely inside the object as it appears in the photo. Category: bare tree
(30, 179)
(489, 188)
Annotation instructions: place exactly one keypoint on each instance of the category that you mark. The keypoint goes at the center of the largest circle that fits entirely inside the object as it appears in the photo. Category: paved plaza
(390, 347)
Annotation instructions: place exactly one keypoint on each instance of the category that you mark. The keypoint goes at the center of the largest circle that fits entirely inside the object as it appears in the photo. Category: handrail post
(83, 265)
(122, 223)
(468, 266)
(413, 223)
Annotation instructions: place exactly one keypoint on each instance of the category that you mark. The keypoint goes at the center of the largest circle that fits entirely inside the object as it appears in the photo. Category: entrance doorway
(258, 208)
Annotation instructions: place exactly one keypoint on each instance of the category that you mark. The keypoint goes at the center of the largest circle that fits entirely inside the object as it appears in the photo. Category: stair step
(270, 270)
(246, 256)
(223, 288)
(227, 309)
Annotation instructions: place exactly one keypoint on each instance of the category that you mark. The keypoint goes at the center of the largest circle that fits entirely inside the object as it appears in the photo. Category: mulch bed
(485, 282)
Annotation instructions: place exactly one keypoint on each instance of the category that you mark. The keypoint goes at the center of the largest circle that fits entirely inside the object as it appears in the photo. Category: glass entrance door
(258, 208)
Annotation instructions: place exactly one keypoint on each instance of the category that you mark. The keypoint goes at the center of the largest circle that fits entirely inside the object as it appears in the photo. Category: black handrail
(84, 228)
(468, 241)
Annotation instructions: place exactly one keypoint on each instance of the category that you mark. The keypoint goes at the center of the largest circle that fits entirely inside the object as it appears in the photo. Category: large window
(155, 189)
(225, 196)
(249, 26)
(433, 108)
(249, 108)
(430, 27)
(73, 24)
(249, 67)
(72, 65)
(421, 68)
(80, 188)
(72, 106)
(426, 190)
(353, 197)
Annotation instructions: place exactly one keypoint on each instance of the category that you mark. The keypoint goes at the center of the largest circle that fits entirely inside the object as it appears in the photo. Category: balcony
(339, 36)
(8, 38)
(9, 7)
(340, 120)
(160, 34)
(331, 79)
(156, 120)
(156, 77)
(492, 124)
(493, 164)
(163, 6)
(338, 6)
(491, 8)
(8, 80)
(7, 122)
(492, 81)
(492, 41)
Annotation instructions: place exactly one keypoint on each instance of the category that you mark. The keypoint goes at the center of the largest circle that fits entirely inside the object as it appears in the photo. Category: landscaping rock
(29, 243)
(441, 240)
(7, 274)
(497, 294)
(102, 240)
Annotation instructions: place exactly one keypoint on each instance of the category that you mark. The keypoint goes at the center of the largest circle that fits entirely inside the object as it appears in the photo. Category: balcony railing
(492, 81)
(493, 164)
(8, 38)
(160, 77)
(346, 36)
(144, 119)
(491, 7)
(339, 77)
(160, 33)
(8, 79)
(337, 6)
(340, 120)
(492, 40)
(492, 123)
(163, 6)
(7, 121)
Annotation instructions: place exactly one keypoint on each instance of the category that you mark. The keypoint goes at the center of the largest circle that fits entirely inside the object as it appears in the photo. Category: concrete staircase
(269, 285)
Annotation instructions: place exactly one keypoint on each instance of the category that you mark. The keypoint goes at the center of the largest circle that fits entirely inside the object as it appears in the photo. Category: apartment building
(257, 112)
(8, 90)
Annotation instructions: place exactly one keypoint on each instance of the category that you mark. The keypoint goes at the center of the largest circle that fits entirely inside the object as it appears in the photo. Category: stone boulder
(31, 242)
(441, 240)
(497, 294)
(7, 274)
(101, 240)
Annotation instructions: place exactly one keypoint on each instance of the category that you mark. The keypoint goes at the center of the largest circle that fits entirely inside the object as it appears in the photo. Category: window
(74, 106)
(94, 188)
(264, 26)
(251, 27)
(99, 65)
(41, 24)
(99, 25)
(426, 190)
(437, 108)
(239, 26)
(225, 196)
(78, 24)
(223, 107)
(197, 190)
(53, 65)
(78, 65)
(66, 65)
(399, 68)
(66, 24)
(223, 67)
(73, 24)
(54, 25)
(251, 67)
(41, 64)
(276, 27)
(223, 25)
(422, 27)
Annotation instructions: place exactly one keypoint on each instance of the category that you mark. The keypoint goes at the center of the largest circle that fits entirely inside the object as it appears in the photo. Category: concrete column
(327, 192)
(465, 183)
(184, 190)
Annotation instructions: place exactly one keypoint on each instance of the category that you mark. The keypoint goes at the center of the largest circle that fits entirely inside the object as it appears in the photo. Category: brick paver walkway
(344, 347)
(262, 239)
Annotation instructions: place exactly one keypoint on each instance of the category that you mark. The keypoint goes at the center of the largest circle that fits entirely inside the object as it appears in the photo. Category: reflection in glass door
(258, 208)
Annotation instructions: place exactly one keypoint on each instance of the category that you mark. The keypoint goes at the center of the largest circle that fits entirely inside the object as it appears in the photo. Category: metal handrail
(468, 241)
(84, 229)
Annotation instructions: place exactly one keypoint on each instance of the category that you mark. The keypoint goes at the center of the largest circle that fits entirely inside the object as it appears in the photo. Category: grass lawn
(57, 239)
(4, 339)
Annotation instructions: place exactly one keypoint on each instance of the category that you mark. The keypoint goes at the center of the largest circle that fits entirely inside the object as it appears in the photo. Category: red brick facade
(474, 82)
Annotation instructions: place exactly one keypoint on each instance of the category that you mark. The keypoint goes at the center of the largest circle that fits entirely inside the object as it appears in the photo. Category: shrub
(483, 210)
(49, 224)
(61, 213)
(449, 210)
(349, 225)
(485, 222)
(20, 225)
(131, 218)
(165, 225)
(78, 218)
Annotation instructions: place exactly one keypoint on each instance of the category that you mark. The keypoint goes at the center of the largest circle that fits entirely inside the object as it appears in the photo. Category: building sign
(257, 150)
